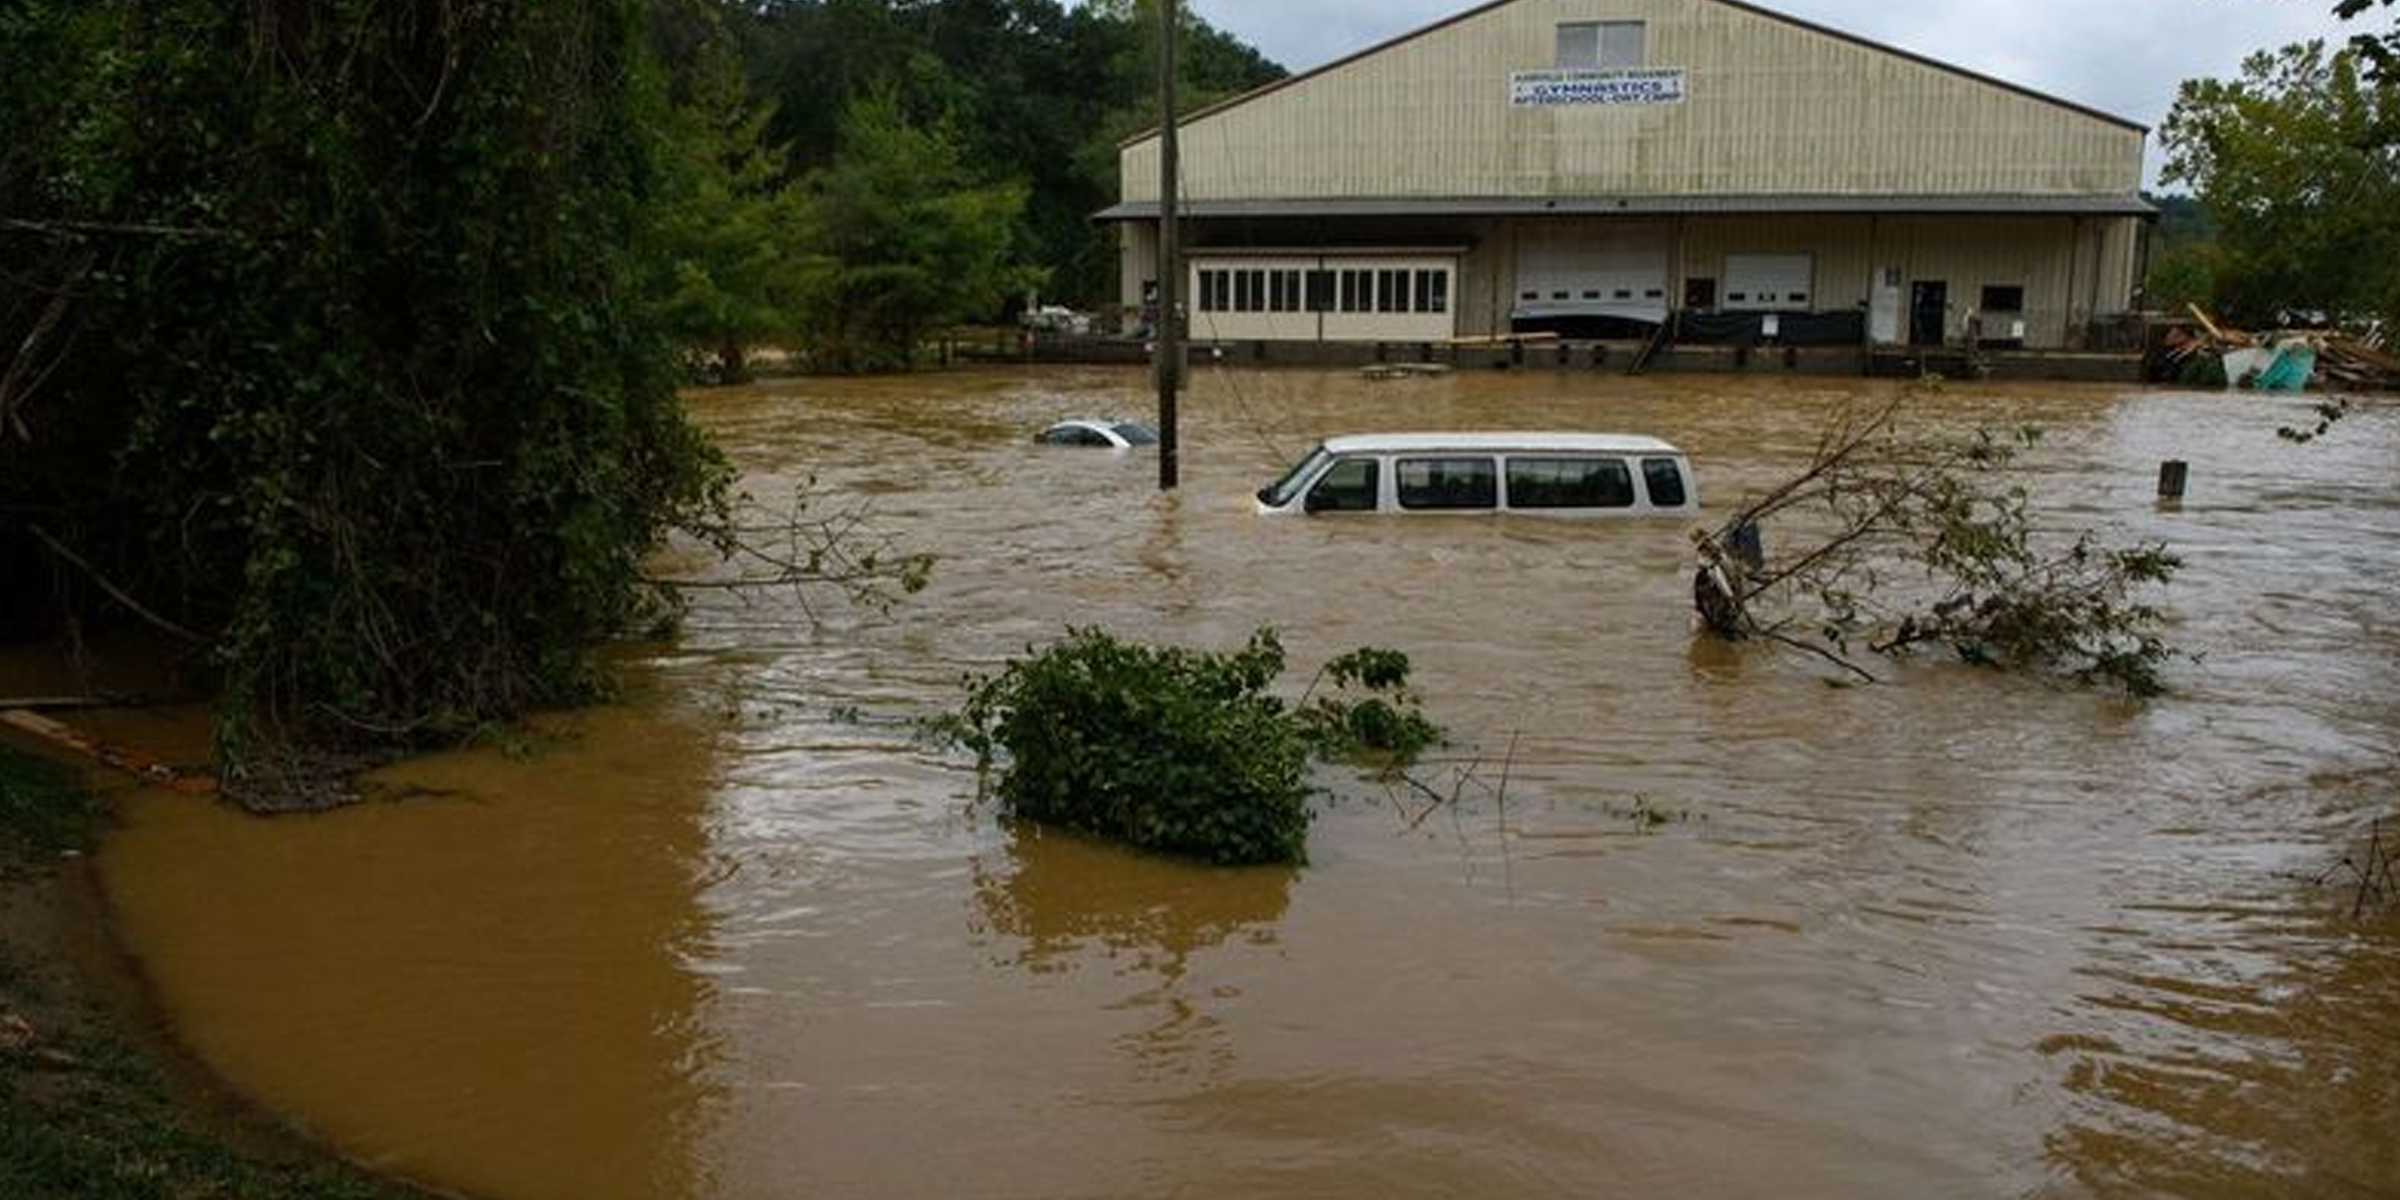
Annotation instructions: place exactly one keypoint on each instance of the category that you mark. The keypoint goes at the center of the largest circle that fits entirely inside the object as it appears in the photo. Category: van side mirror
(1316, 501)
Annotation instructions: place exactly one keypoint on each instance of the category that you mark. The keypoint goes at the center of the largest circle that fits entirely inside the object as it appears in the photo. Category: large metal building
(1586, 167)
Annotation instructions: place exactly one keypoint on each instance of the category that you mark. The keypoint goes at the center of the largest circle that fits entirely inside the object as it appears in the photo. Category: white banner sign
(1545, 89)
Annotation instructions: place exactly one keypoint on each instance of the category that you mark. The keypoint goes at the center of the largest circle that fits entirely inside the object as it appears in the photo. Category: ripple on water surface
(1665, 919)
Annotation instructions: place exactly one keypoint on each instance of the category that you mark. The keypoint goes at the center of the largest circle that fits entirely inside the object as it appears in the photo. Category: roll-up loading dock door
(1768, 283)
(1591, 269)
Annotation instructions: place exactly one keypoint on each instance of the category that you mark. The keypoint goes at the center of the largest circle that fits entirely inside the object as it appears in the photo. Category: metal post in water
(1170, 266)
(2171, 477)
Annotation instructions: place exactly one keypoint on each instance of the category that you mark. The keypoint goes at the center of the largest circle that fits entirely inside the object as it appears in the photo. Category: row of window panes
(1594, 294)
(1470, 483)
(1356, 290)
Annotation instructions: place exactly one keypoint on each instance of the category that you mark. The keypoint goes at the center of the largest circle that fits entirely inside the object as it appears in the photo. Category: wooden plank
(140, 766)
(28, 721)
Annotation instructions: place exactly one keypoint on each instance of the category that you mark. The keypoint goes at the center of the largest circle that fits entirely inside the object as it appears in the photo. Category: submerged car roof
(1532, 440)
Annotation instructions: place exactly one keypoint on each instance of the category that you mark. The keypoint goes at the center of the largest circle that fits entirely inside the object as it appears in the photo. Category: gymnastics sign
(1550, 89)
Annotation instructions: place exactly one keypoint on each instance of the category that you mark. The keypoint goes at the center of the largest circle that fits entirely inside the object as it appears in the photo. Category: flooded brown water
(1727, 931)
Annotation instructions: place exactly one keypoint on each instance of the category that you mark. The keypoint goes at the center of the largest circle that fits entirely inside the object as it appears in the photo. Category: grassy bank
(94, 1100)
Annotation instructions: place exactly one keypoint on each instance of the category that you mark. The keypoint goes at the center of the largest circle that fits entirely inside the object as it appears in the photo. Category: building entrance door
(1928, 312)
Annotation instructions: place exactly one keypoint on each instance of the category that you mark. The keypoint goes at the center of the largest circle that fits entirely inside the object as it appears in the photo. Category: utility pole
(1170, 255)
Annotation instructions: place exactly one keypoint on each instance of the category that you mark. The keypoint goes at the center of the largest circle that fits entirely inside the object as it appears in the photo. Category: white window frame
(1578, 46)
(1623, 45)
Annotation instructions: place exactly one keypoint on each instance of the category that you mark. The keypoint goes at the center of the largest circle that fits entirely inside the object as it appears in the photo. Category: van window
(1282, 491)
(1448, 483)
(1347, 486)
(1664, 478)
(1569, 483)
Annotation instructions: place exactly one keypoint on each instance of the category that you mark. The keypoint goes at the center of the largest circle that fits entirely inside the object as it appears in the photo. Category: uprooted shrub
(1905, 540)
(1370, 715)
(1160, 747)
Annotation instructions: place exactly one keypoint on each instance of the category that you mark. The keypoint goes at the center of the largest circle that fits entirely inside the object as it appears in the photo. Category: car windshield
(1280, 492)
(1135, 433)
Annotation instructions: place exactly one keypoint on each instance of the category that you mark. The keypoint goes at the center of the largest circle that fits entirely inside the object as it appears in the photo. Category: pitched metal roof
(1634, 206)
(1770, 14)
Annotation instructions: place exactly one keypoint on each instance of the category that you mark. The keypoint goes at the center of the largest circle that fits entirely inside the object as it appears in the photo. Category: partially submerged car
(1098, 431)
(1543, 474)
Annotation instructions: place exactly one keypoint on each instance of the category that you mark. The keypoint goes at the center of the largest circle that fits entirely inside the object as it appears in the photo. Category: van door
(1349, 485)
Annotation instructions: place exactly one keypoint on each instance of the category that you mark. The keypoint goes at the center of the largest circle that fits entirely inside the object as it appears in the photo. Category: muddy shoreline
(84, 1031)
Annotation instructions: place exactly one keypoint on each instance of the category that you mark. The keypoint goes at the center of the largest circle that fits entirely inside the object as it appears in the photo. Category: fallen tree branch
(1926, 540)
(116, 593)
(796, 552)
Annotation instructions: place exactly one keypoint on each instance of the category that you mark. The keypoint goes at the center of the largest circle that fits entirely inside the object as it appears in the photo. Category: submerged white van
(1544, 474)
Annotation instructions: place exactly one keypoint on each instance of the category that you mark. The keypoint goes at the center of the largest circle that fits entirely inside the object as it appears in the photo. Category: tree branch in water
(1906, 539)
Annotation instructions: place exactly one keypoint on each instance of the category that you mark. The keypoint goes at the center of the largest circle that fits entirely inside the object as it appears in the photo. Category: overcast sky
(2123, 57)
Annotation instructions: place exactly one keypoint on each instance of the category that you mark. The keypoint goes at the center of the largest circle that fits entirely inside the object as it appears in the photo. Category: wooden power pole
(1170, 254)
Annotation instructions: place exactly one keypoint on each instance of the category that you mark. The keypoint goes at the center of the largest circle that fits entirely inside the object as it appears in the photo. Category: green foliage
(733, 230)
(1166, 749)
(365, 385)
(2380, 50)
(2298, 163)
(1176, 750)
(2183, 256)
(903, 240)
(1033, 93)
(1371, 715)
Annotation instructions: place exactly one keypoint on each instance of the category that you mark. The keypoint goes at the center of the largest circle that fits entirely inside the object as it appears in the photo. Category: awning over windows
(1637, 206)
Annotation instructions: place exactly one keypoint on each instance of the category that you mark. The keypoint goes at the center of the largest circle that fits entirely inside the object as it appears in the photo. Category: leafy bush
(1175, 750)
(1163, 748)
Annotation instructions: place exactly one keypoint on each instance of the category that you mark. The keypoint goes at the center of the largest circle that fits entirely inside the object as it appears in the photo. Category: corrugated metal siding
(1773, 109)
(2072, 270)
(1137, 262)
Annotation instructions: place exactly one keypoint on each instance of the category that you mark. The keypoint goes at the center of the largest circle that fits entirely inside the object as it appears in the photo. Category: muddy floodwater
(1666, 919)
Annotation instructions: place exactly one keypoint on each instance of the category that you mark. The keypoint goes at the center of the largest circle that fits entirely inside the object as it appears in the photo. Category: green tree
(2298, 163)
(904, 239)
(2381, 50)
(733, 225)
(365, 393)
(2183, 250)
(1030, 90)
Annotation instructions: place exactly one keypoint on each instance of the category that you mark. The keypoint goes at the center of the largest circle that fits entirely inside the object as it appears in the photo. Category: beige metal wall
(2072, 270)
(1137, 263)
(1772, 109)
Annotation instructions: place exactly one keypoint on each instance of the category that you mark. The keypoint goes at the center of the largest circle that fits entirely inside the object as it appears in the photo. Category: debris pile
(2211, 354)
(2349, 364)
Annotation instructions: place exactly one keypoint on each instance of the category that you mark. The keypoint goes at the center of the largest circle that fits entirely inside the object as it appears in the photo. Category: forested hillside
(1033, 92)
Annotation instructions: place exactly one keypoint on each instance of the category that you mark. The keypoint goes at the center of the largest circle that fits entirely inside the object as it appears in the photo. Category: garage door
(1768, 282)
(1583, 269)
